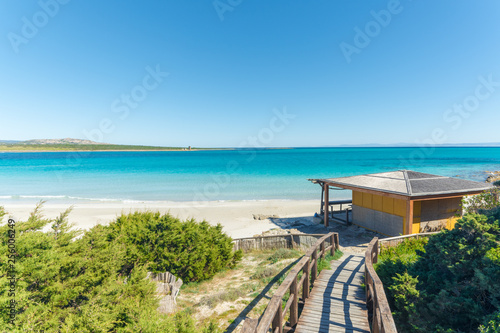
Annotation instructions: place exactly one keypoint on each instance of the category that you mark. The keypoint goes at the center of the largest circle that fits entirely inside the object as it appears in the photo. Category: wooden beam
(444, 196)
(407, 229)
(326, 212)
(322, 197)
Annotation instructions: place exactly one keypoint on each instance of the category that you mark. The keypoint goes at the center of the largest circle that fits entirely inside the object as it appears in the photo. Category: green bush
(482, 202)
(191, 250)
(97, 283)
(492, 324)
(452, 284)
(398, 259)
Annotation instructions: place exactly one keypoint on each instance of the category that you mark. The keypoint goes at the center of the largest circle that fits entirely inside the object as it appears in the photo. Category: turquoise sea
(218, 174)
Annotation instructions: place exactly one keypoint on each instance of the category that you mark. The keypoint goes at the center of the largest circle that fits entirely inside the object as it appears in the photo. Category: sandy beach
(238, 218)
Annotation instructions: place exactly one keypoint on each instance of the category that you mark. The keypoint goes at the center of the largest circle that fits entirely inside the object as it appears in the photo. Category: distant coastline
(78, 145)
(25, 148)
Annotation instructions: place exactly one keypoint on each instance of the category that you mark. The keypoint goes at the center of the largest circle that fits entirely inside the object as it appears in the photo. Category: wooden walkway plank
(337, 300)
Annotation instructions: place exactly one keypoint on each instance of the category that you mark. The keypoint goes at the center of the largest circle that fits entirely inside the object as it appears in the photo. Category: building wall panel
(384, 223)
(388, 205)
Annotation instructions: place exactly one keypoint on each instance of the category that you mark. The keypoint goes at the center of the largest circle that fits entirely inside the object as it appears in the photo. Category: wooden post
(337, 243)
(278, 320)
(322, 197)
(314, 269)
(332, 242)
(250, 325)
(294, 308)
(326, 201)
(376, 326)
(322, 250)
(305, 286)
(407, 230)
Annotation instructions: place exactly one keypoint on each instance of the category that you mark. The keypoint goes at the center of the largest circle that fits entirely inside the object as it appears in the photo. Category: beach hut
(402, 202)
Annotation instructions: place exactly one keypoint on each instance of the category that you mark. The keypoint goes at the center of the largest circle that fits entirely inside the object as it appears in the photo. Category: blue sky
(230, 73)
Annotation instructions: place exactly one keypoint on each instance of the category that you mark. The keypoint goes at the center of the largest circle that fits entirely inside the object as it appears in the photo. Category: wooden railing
(274, 315)
(376, 300)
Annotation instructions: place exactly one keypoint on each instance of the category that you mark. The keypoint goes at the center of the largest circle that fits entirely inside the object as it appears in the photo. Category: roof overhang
(407, 185)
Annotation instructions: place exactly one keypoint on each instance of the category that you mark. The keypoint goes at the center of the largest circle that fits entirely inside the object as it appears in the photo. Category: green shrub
(191, 250)
(398, 259)
(486, 200)
(452, 284)
(96, 283)
(406, 296)
(491, 325)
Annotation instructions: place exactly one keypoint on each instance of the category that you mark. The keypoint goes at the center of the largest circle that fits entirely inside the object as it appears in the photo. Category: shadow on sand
(243, 314)
(352, 238)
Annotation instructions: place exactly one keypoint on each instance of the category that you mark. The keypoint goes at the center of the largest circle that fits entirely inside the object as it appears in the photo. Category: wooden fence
(290, 241)
(380, 315)
(274, 316)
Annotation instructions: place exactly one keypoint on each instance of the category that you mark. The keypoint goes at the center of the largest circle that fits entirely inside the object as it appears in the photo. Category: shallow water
(219, 175)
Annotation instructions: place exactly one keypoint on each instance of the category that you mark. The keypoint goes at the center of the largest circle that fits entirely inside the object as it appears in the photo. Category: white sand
(236, 217)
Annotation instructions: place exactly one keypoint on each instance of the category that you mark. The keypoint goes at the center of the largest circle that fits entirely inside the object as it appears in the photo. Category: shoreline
(238, 218)
(106, 150)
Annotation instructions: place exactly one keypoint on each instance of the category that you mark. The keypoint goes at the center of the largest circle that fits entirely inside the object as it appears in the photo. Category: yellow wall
(380, 203)
(417, 211)
(398, 207)
(450, 224)
(357, 198)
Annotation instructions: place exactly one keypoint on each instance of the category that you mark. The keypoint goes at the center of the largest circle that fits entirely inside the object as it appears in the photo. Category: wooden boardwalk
(337, 301)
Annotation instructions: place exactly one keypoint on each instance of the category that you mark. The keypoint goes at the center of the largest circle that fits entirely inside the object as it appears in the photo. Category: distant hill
(61, 142)
(69, 144)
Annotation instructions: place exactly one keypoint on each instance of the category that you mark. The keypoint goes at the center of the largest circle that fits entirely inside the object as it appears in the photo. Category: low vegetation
(69, 281)
(244, 291)
(95, 281)
(483, 202)
(448, 283)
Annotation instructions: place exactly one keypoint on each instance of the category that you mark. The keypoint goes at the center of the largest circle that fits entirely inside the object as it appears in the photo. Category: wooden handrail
(274, 316)
(398, 239)
(376, 301)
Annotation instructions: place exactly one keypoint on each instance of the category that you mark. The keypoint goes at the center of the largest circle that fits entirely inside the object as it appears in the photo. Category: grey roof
(409, 183)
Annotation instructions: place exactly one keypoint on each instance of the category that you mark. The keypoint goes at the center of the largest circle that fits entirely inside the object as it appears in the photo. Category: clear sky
(229, 73)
